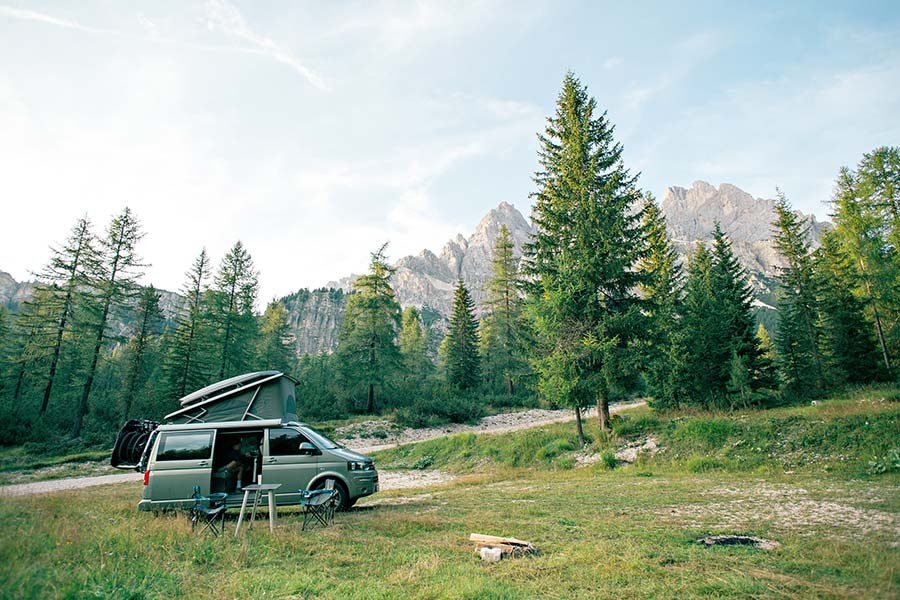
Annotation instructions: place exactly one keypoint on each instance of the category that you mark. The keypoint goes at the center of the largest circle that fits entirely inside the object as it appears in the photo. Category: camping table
(257, 490)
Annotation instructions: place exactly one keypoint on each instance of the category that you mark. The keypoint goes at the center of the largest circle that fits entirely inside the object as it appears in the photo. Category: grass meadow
(806, 477)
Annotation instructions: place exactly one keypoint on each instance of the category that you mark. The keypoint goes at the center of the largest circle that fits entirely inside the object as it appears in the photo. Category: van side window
(285, 442)
(189, 445)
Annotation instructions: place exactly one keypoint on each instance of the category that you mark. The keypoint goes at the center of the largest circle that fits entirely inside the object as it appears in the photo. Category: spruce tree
(703, 331)
(186, 364)
(275, 346)
(503, 333)
(849, 346)
(65, 278)
(582, 260)
(463, 362)
(661, 290)
(112, 275)
(734, 302)
(231, 302)
(138, 365)
(414, 348)
(798, 333)
(367, 345)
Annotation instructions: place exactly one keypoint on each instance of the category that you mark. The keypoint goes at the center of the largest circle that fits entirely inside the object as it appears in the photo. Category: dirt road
(501, 423)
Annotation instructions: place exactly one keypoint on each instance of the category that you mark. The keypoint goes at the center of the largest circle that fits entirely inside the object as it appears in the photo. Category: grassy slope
(627, 532)
(840, 435)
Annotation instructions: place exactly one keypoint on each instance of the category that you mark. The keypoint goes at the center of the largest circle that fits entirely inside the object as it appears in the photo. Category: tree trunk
(603, 412)
(878, 329)
(88, 383)
(579, 426)
(509, 386)
(54, 361)
(370, 404)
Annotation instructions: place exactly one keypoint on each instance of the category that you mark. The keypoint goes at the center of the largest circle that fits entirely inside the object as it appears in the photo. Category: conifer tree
(583, 257)
(112, 274)
(367, 345)
(138, 365)
(65, 278)
(463, 362)
(861, 228)
(276, 342)
(232, 298)
(661, 290)
(186, 365)
(849, 346)
(734, 306)
(703, 331)
(503, 333)
(798, 333)
(414, 347)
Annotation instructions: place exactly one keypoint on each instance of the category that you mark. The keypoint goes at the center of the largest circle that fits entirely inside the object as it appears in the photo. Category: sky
(316, 131)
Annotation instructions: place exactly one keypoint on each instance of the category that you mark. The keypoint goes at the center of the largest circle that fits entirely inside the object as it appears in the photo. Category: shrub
(702, 464)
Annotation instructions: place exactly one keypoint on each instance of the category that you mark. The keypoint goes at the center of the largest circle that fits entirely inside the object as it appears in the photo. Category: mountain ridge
(427, 280)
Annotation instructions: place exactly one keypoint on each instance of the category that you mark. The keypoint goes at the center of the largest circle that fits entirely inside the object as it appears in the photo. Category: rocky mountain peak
(692, 213)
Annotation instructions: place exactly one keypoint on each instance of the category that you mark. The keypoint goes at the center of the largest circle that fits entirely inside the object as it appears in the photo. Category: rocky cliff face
(315, 319)
(429, 280)
(12, 292)
(692, 213)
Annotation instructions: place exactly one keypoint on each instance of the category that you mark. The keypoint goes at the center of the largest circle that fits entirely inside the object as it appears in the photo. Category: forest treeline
(599, 307)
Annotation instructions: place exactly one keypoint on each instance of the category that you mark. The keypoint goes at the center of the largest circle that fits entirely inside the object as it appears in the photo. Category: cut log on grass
(507, 545)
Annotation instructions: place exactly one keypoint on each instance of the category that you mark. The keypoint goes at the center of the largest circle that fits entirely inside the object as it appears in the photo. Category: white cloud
(30, 15)
(613, 62)
(226, 18)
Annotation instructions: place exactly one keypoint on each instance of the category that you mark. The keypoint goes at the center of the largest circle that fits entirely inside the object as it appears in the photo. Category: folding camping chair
(208, 511)
(318, 506)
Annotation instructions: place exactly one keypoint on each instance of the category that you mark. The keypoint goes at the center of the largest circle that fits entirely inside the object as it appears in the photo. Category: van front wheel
(343, 497)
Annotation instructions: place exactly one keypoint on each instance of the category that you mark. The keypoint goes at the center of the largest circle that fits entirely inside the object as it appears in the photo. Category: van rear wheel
(343, 497)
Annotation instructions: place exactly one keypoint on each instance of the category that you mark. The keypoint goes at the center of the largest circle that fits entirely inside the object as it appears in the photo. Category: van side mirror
(308, 448)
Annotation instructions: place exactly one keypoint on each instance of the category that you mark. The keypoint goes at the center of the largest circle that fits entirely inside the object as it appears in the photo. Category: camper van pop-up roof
(248, 397)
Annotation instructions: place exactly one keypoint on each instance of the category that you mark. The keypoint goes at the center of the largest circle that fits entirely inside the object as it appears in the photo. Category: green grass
(841, 435)
(600, 533)
(797, 475)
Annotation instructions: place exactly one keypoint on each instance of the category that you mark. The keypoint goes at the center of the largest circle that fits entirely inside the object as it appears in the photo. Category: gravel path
(501, 423)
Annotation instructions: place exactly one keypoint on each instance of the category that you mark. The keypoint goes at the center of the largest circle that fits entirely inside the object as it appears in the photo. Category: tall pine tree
(367, 345)
(112, 274)
(798, 333)
(503, 332)
(661, 290)
(850, 350)
(860, 227)
(583, 257)
(138, 364)
(232, 298)
(463, 366)
(186, 364)
(66, 278)
(275, 345)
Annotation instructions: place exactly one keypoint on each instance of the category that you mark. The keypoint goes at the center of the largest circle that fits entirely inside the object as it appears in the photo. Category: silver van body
(178, 457)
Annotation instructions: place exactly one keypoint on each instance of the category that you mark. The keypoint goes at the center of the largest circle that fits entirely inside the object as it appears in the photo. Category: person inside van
(235, 465)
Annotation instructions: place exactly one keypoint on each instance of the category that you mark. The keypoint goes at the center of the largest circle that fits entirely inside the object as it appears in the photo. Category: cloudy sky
(315, 131)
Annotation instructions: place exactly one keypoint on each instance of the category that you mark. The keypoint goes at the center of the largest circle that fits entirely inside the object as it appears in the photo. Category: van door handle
(204, 463)
(271, 460)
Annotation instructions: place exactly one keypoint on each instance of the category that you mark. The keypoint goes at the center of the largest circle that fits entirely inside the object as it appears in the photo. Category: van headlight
(360, 465)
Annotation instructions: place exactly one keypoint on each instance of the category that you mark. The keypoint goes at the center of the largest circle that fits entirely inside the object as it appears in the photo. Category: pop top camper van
(233, 433)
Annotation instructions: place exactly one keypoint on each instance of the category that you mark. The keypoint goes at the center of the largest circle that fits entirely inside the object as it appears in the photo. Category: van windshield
(320, 439)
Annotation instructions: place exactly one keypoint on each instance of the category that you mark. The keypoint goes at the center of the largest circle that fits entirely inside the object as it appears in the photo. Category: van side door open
(183, 459)
(291, 460)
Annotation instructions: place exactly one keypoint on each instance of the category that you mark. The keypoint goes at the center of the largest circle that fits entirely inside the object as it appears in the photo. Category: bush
(702, 464)
(708, 433)
(888, 463)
